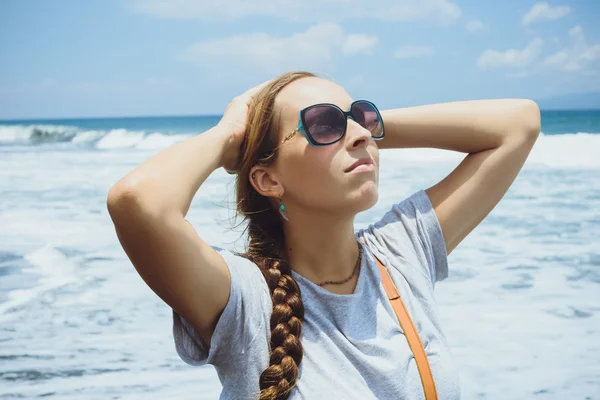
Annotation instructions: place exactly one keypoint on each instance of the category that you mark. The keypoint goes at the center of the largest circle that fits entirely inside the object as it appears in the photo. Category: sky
(73, 58)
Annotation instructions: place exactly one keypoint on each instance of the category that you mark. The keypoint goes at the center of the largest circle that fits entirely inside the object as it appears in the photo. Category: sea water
(521, 308)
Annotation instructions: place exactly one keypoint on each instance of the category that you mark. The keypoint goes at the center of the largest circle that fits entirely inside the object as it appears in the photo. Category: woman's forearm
(168, 181)
(466, 126)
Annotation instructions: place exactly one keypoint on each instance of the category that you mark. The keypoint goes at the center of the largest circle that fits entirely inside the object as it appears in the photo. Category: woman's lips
(365, 164)
(362, 168)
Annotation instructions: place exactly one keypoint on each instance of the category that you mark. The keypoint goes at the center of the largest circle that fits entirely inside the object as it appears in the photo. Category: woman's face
(317, 177)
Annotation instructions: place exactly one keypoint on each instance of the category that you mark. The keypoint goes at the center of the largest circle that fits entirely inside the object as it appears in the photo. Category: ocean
(521, 308)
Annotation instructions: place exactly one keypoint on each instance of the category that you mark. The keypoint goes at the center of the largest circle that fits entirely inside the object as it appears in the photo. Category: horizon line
(197, 116)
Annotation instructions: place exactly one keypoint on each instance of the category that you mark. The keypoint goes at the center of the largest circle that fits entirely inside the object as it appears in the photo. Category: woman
(302, 314)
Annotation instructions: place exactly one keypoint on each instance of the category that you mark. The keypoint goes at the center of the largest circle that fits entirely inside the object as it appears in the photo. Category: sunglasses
(325, 124)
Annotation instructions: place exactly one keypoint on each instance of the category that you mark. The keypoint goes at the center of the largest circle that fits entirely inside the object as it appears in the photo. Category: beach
(520, 309)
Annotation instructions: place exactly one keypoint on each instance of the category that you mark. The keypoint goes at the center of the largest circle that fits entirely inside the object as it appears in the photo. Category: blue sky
(73, 58)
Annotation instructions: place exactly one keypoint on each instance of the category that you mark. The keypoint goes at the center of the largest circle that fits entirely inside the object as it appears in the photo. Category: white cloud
(312, 49)
(439, 11)
(543, 11)
(511, 58)
(576, 57)
(557, 59)
(357, 44)
(474, 25)
(414, 52)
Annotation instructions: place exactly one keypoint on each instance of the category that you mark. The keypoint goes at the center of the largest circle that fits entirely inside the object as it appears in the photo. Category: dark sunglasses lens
(324, 123)
(366, 115)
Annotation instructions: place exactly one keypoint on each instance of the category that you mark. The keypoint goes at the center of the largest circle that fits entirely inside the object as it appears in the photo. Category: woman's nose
(356, 134)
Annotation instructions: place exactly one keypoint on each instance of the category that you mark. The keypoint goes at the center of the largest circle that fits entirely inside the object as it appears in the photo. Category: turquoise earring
(282, 210)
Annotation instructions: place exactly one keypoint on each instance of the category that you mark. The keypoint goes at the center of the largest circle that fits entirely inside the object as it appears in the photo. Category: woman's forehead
(308, 91)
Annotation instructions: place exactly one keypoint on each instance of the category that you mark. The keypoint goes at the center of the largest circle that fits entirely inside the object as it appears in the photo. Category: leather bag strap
(410, 332)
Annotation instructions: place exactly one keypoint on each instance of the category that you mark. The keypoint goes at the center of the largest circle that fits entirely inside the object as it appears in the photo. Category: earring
(282, 210)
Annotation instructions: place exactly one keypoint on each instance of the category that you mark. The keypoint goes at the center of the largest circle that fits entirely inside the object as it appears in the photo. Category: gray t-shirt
(353, 345)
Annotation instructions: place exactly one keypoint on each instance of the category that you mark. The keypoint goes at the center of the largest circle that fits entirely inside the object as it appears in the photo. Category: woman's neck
(323, 250)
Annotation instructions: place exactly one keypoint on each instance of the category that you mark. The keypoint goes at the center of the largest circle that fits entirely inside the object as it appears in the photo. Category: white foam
(120, 138)
(55, 270)
(158, 140)
(577, 150)
(569, 151)
(88, 136)
(105, 140)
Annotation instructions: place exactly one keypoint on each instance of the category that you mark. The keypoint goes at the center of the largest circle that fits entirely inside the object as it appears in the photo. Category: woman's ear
(265, 182)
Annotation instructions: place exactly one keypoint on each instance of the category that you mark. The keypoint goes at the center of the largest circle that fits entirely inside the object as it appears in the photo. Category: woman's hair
(266, 247)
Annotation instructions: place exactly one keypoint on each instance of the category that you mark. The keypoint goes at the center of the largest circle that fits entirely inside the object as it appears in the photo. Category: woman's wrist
(224, 140)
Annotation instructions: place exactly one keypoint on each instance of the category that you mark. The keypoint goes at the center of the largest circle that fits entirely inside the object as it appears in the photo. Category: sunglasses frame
(347, 114)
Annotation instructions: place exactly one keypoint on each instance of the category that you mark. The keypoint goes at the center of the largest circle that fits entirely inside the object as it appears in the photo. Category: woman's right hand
(233, 124)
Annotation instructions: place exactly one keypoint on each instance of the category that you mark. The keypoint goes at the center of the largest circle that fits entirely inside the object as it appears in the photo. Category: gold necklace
(353, 272)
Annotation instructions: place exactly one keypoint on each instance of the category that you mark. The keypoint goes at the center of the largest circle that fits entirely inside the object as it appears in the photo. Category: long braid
(266, 247)
(280, 377)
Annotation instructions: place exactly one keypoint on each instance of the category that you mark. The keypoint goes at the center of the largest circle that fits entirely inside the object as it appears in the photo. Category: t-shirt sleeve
(245, 316)
(412, 226)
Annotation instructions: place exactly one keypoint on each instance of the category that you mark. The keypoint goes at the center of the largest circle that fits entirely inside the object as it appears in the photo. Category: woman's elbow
(530, 119)
(124, 197)
(132, 199)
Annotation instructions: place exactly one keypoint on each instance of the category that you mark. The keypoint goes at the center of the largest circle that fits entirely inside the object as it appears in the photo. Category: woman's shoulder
(409, 231)
(243, 271)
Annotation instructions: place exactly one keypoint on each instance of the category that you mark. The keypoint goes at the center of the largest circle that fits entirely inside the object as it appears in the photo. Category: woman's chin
(366, 198)
(372, 200)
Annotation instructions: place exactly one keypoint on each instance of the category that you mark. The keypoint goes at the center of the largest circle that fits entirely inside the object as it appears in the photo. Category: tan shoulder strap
(410, 332)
